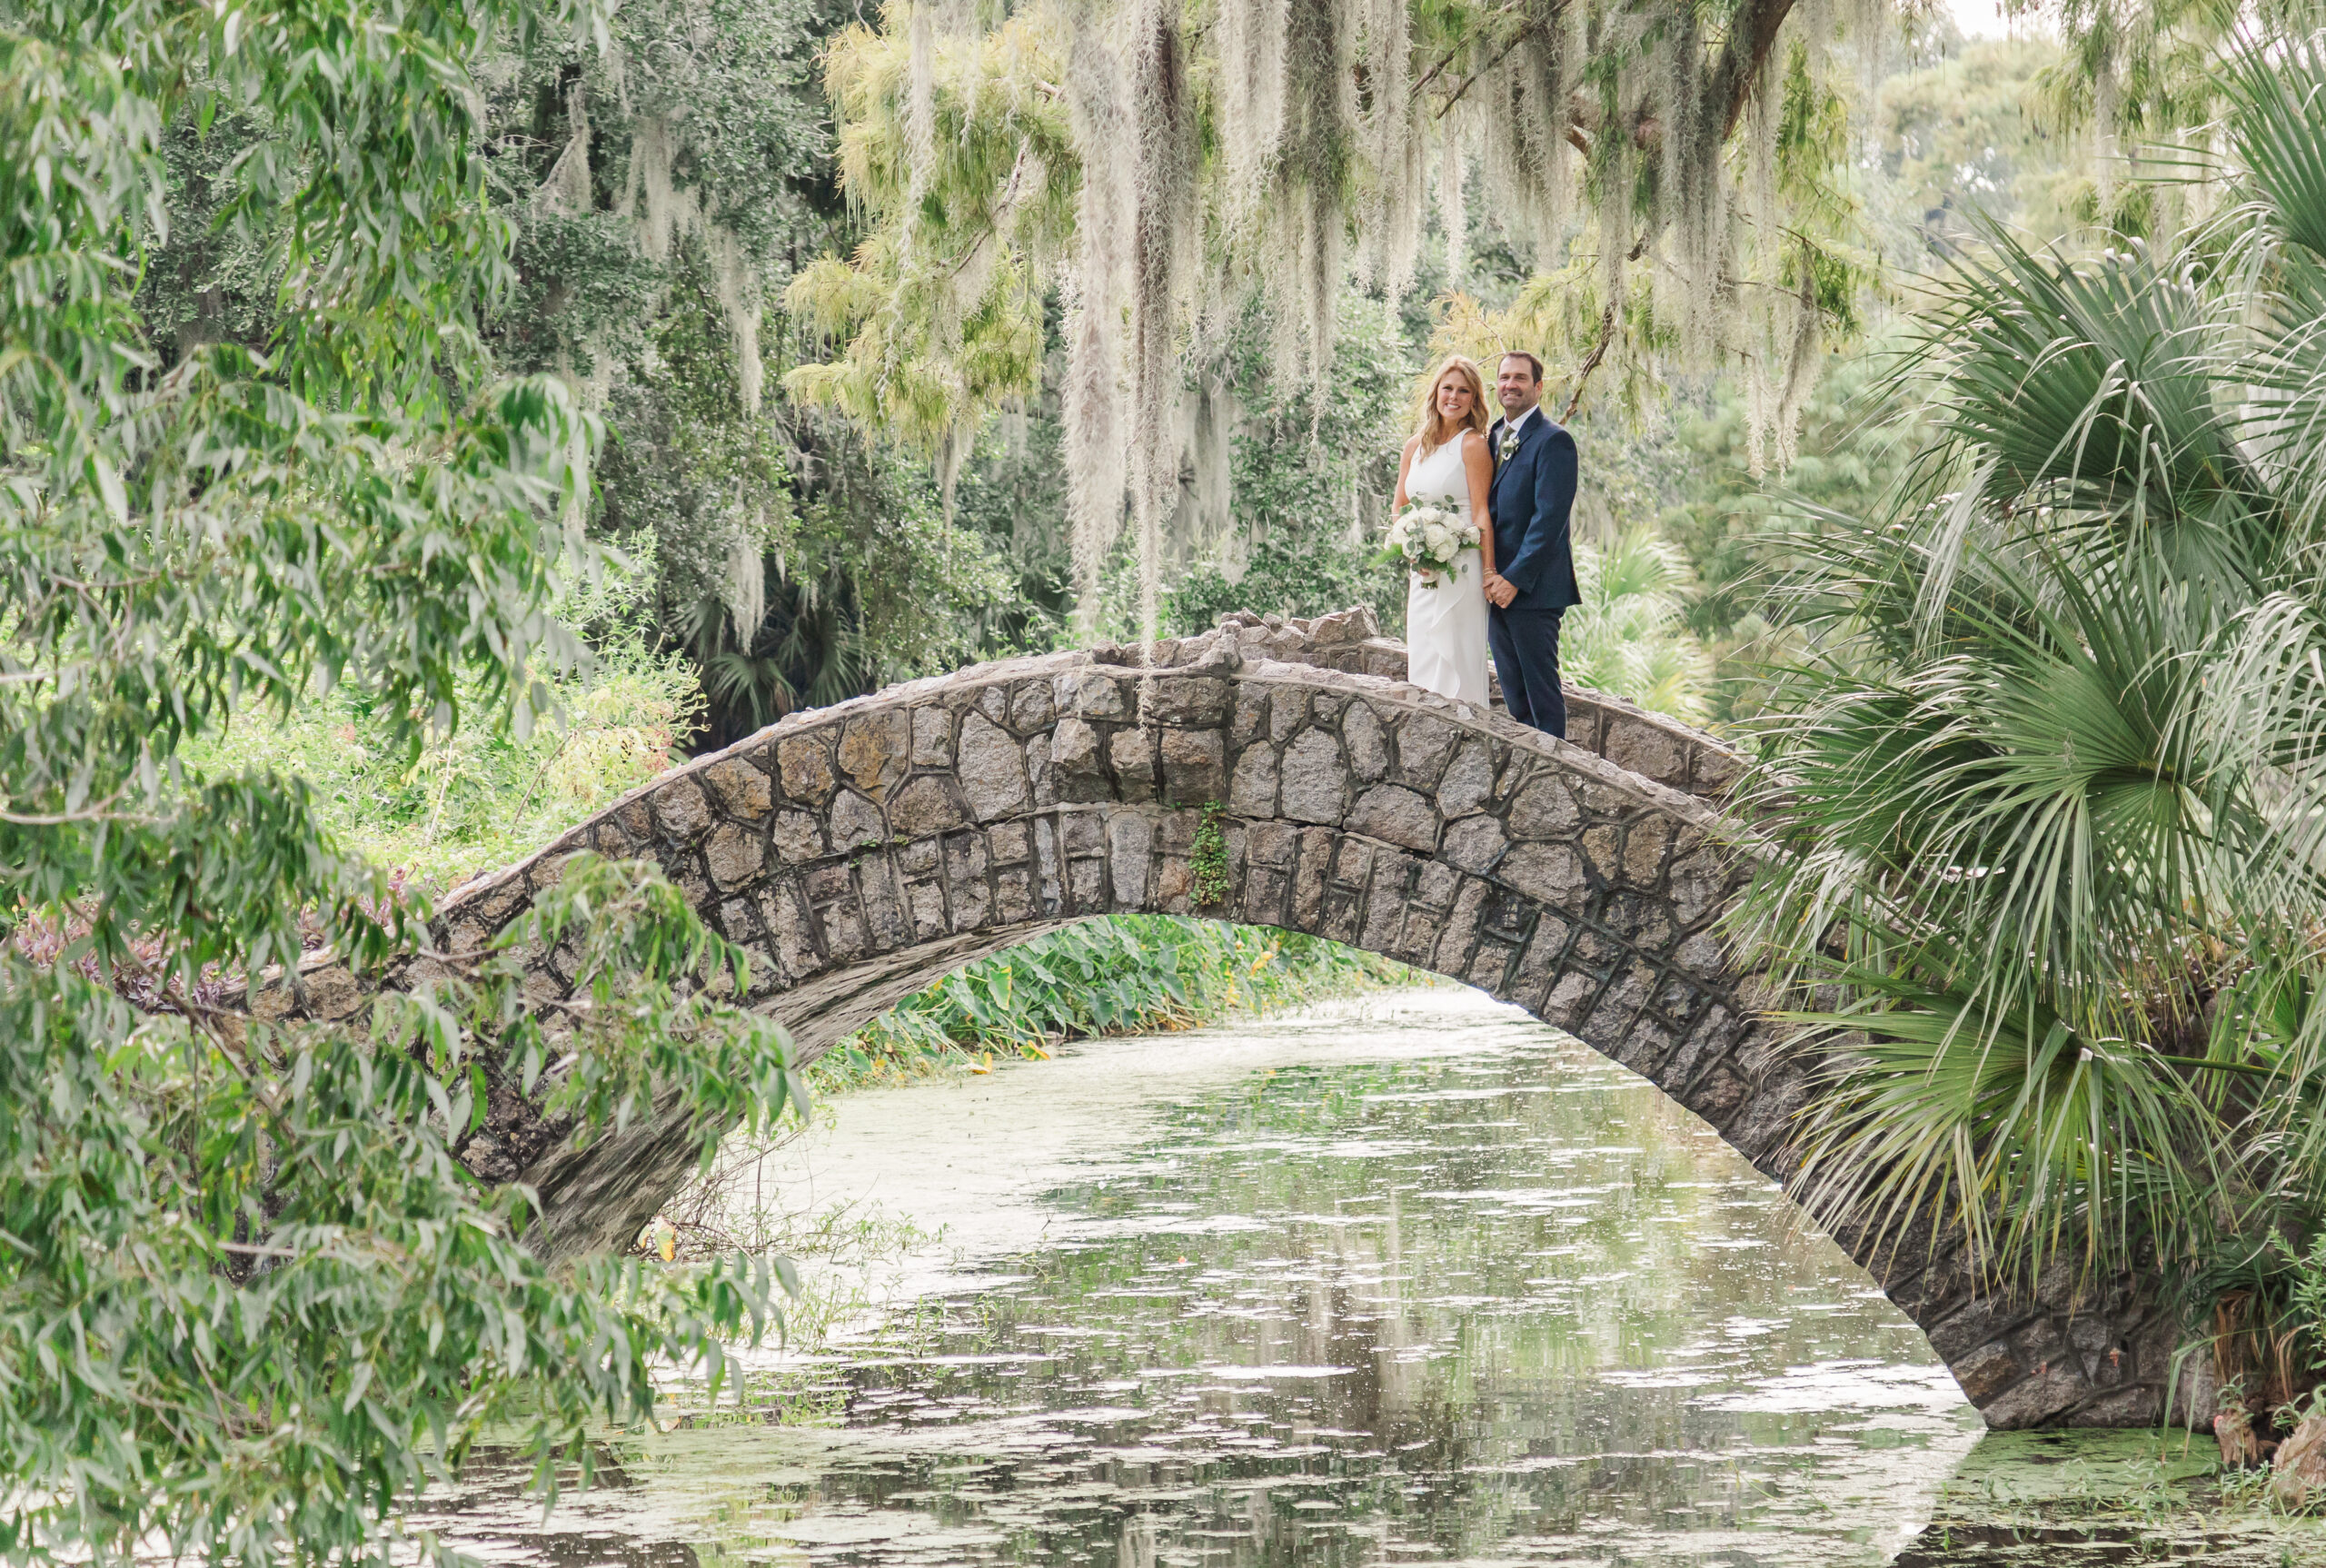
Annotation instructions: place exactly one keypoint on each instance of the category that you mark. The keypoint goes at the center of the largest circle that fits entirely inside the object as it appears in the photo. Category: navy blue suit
(1532, 503)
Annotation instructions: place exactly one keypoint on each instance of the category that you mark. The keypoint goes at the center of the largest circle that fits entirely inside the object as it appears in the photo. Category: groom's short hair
(1533, 366)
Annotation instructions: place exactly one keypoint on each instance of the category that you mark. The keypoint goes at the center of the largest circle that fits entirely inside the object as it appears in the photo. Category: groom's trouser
(1525, 644)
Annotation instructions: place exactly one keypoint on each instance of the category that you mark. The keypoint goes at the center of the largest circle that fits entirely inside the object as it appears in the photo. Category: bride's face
(1453, 396)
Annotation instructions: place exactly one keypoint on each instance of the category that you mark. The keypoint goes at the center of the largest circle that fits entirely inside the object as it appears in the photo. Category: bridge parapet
(1652, 745)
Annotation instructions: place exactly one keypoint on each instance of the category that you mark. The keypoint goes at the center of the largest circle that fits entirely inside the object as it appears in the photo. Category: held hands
(1500, 591)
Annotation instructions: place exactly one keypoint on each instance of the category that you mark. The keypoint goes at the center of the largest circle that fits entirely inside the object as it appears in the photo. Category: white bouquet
(1427, 542)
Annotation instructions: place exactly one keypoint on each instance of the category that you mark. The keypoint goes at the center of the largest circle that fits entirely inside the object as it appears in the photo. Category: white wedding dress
(1446, 626)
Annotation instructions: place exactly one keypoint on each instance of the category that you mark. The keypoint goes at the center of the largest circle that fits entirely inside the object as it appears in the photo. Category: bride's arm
(1478, 465)
(1404, 464)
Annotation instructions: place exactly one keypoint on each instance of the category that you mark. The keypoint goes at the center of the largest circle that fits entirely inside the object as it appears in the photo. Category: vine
(1207, 861)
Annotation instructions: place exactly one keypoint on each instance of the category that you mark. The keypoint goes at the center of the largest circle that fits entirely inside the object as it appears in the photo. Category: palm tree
(2040, 823)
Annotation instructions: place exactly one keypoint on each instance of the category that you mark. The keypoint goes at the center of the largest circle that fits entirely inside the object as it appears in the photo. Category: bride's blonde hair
(1431, 425)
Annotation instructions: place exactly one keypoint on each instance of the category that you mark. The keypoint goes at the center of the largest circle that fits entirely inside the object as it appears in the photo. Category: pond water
(1413, 1280)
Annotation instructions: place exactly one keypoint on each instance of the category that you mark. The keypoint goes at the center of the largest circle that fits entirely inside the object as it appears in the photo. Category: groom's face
(1516, 388)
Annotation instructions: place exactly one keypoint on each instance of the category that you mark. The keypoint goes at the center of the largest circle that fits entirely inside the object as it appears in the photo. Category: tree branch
(1750, 39)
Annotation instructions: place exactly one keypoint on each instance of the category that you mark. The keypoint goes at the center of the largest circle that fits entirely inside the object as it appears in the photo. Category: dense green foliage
(1124, 974)
(250, 1299)
(2049, 791)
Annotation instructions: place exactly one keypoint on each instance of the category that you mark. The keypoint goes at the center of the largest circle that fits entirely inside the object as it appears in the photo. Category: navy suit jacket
(1532, 502)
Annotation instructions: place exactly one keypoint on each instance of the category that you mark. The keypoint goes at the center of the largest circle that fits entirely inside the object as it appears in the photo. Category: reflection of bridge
(862, 851)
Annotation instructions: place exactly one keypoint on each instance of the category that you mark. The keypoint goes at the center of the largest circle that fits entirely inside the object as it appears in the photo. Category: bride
(1448, 466)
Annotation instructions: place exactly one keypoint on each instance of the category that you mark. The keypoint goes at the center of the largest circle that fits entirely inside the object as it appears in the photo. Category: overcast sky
(1979, 19)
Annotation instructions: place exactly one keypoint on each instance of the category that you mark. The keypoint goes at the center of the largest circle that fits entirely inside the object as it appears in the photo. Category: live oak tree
(250, 1298)
(1673, 168)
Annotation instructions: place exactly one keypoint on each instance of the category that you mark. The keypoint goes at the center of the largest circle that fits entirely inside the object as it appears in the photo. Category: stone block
(743, 788)
(1551, 872)
(968, 897)
(1643, 922)
(1040, 776)
(1274, 844)
(1544, 808)
(926, 903)
(1490, 967)
(1086, 881)
(1193, 766)
(1639, 744)
(1468, 782)
(1985, 1372)
(1460, 929)
(1131, 753)
(1645, 1046)
(1089, 695)
(1473, 844)
(1315, 778)
(2035, 1400)
(1265, 890)
(1077, 763)
(1288, 708)
(1343, 626)
(1009, 844)
(1193, 700)
(876, 750)
(797, 835)
(1085, 832)
(1644, 842)
(1031, 706)
(925, 806)
(1130, 838)
(1397, 814)
(1715, 771)
(679, 810)
(784, 917)
(1602, 852)
(331, 992)
(991, 771)
(885, 922)
(1310, 878)
(1368, 742)
(806, 769)
(932, 738)
(1252, 791)
(1251, 716)
(856, 822)
(1569, 999)
(734, 855)
(1386, 902)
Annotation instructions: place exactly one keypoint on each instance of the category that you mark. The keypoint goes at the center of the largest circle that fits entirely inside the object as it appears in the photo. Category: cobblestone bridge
(862, 851)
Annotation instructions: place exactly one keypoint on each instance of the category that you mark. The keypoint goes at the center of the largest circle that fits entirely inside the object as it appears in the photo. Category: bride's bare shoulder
(1473, 439)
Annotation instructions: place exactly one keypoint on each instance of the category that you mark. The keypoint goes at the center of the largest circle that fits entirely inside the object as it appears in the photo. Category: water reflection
(1431, 1286)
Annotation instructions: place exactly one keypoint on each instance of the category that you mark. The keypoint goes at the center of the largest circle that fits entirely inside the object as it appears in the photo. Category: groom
(1531, 498)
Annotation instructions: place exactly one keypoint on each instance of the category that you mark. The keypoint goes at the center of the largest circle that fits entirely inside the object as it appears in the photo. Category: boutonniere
(1509, 441)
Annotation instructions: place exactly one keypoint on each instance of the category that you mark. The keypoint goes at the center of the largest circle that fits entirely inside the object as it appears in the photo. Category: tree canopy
(250, 1295)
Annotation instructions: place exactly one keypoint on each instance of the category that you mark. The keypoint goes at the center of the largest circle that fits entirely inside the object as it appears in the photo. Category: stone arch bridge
(862, 851)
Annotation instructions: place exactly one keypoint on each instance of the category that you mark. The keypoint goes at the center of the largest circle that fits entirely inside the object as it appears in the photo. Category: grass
(482, 796)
